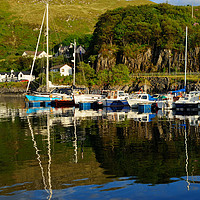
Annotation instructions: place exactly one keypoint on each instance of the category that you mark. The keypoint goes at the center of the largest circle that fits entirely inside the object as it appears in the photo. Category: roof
(56, 67)
(59, 66)
(3, 73)
(80, 50)
(15, 73)
(33, 53)
(26, 72)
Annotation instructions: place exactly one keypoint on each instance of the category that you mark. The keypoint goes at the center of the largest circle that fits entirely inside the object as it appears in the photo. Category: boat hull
(41, 98)
(134, 103)
(62, 103)
(187, 106)
(115, 103)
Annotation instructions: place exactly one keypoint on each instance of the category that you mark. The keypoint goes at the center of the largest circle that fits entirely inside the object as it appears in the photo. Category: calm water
(70, 154)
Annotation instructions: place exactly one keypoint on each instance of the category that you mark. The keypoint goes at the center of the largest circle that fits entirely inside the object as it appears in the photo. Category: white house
(3, 76)
(65, 70)
(15, 76)
(25, 76)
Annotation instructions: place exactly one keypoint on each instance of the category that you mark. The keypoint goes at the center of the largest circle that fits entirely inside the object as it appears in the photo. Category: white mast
(47, 68)
(186, 55)
(74, 61)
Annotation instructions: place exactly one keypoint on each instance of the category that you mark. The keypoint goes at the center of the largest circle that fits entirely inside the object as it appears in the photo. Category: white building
(65, 70)
(25, 76)
(16, 76)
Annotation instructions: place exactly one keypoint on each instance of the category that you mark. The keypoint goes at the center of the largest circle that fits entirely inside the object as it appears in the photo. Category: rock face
(159, 85)
(152, 60)
(141, 63)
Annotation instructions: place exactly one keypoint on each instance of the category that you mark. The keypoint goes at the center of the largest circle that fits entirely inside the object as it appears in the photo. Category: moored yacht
(143, 98)
(188, 102)
(115, 98)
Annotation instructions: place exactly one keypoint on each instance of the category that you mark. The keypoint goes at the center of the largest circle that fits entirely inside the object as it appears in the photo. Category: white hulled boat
(143, 98)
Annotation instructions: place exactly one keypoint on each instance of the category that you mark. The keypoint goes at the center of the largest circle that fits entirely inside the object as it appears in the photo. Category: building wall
(65, 70)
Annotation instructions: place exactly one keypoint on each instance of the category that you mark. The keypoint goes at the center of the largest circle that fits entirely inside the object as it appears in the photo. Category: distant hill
(20, 21)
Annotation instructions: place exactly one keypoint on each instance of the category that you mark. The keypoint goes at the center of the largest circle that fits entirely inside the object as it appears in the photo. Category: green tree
(85, 75)
(103, 78)
(120, 75)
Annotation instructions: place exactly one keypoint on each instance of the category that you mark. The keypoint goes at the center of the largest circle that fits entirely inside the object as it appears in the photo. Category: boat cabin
(116, 94)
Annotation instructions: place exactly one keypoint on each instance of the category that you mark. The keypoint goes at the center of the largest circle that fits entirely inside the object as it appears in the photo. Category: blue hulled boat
(42, 97)
(115, 98)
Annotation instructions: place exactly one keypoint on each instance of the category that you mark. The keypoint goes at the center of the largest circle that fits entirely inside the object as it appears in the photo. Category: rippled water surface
(66, 153)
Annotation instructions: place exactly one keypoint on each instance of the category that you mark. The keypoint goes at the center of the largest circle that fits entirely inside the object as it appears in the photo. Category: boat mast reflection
(186, 156)
(75, 142)
(49, 191)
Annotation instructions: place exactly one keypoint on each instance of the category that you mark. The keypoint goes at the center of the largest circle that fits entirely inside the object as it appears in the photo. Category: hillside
(147, 38)
(21, 19)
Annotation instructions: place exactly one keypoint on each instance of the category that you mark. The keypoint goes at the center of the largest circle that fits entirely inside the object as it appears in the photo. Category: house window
(63, 70)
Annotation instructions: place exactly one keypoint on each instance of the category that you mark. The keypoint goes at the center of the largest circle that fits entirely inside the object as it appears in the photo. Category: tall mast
(74, 61)
(185, 54)
(47, 68)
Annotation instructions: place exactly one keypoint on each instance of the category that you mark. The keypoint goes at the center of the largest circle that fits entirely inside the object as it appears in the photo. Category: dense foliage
(161, 25)
(127, 32)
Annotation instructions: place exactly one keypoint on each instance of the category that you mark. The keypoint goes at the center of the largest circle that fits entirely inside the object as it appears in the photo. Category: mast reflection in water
(49, 153)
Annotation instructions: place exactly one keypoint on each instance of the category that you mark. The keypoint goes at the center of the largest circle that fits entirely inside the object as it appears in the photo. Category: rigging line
(54, 28)
(36, 50)
(38, 155)
(59, 40)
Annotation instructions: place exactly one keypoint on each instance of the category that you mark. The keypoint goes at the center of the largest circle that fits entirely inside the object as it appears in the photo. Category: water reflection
(186, 155)
(49, 185)
(71, 152)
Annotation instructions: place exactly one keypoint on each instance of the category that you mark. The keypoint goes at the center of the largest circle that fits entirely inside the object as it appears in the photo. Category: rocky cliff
(152, 60)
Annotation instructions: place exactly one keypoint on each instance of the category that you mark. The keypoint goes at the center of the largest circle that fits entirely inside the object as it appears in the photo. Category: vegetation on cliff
(138, 35)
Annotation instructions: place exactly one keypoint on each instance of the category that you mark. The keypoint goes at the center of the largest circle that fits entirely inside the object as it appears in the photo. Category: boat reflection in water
(70, 153)
(46, 181)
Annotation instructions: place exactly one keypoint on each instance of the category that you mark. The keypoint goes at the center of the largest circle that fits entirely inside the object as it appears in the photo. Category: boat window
(121, 94)
(144, 119)
(144, 97)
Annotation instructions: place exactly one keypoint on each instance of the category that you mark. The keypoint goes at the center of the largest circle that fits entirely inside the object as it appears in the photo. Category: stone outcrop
(159, 85)
(152, 60)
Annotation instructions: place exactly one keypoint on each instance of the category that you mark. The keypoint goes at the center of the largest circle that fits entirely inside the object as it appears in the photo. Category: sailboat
(44, 96)
(190, 102)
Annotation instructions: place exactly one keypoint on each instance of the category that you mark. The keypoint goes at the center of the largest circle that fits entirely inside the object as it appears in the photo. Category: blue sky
(179, 2)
